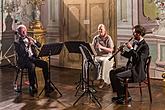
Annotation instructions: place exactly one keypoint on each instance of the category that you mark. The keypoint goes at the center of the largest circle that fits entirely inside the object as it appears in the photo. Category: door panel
(73, 11)
(97, 12)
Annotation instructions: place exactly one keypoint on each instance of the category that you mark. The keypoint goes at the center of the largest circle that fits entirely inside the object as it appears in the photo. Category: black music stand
(88, 46)
(48, 50)
(73, 47)
(89, 59)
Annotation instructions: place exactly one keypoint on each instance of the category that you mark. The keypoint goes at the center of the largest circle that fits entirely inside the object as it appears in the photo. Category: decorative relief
(94, 9)
(74, 59)
(73, 29)
(162, 56)
(124, 10)
(150, 9)
(160, 18)
(73, 14)
(153, 51)
(52, 10)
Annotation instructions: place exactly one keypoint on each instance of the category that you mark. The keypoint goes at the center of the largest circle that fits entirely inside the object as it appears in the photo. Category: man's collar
(141, 39)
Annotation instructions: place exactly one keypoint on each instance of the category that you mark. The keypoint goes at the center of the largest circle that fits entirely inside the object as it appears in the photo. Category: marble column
(1, 29)
(50, 14)
(125, 15)
(7, 39)
(53, 26)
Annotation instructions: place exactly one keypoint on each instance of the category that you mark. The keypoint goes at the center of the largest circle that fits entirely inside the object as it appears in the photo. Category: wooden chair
(20, 71)
(145, 83)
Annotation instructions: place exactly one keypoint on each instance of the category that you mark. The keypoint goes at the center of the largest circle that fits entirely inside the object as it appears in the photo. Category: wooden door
(97, 13)
(73, 29)
(79, 20)
(104, 12)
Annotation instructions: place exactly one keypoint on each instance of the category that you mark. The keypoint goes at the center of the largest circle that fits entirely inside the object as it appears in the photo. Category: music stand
(48, 50)
(88, 58)
(73, 47)
(90, 48)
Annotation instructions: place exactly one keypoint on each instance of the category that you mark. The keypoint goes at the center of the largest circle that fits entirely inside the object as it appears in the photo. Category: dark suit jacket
(22, 55)
(138, 60)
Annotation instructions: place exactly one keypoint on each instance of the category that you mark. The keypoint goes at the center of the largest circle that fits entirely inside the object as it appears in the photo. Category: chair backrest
(148, 62)
(18, 64)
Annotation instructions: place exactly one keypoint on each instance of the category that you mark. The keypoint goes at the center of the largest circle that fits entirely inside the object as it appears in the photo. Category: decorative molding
(72, 21)
(128, 13)
(94, 9)
(53, 16)
(124, 26)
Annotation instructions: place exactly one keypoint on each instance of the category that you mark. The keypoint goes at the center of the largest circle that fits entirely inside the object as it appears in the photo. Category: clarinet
(34, 44)
(120, 48)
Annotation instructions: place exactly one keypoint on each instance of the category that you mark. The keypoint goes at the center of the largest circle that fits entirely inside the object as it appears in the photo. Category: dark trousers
(31, 64)
(117, 77)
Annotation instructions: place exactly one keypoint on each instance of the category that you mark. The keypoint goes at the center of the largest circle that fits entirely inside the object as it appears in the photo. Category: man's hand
(32, 40)
(129, 46)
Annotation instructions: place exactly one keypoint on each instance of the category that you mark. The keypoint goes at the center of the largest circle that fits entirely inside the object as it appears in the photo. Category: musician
(135, 68)
(25, 47)
(103, 46)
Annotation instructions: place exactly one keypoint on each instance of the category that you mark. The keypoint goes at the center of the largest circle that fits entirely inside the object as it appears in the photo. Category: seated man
(135, 68)
(103, 46)
(25, 47)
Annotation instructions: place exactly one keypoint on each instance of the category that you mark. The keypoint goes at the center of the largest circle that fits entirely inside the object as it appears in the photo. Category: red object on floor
(27, 83)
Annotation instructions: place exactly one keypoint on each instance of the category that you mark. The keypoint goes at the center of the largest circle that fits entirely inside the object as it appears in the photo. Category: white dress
(106, 67)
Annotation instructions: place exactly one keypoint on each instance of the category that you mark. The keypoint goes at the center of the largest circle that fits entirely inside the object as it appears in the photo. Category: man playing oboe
(25, 47)
(135, 68)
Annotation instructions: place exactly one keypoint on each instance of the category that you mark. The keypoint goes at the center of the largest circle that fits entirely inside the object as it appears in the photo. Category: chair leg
(15, 81)
(126, 91)
(17, 73)
(140, 91)
(21, 80)
(36, 81)
(149, 90)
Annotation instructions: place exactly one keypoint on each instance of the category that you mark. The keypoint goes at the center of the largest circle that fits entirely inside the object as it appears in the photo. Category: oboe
(33, 42)
(121, 47)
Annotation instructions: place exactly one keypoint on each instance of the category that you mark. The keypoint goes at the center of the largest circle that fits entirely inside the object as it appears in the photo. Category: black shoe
(114, 99)
(92, 90)
(48, 89)
(32, 90)
(122, 100)
(102, 83)
(129, 99)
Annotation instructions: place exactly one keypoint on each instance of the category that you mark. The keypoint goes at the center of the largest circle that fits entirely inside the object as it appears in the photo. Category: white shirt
(28, 48)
